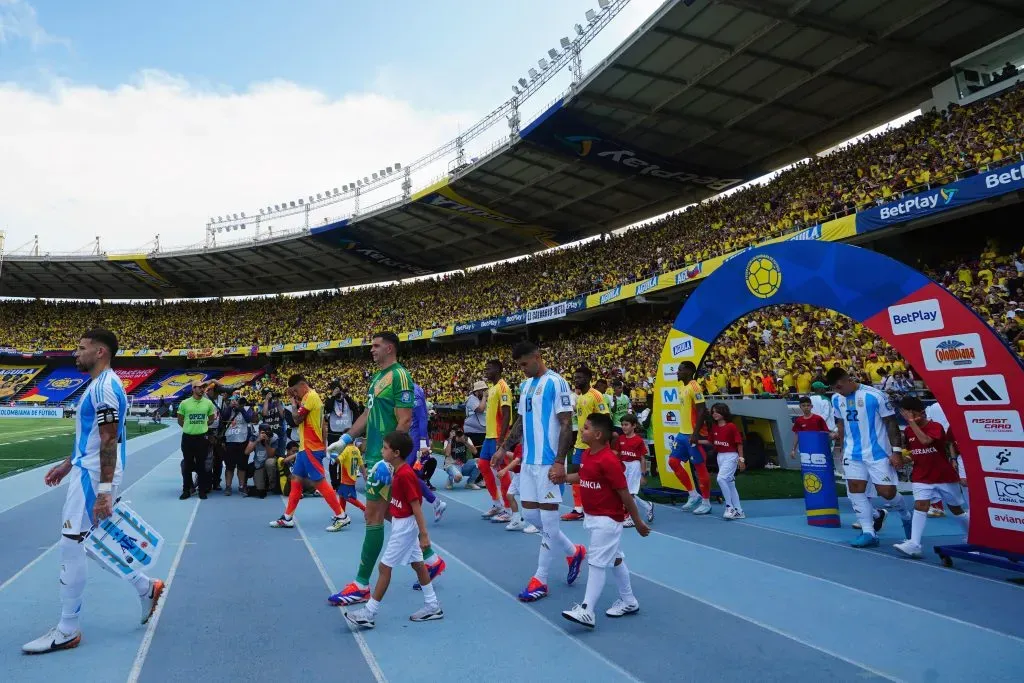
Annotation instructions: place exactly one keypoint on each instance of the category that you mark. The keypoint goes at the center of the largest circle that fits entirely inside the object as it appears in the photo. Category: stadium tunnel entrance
(947, 344)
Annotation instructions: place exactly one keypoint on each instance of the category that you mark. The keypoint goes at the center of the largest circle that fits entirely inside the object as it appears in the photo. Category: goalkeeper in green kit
(389, 404)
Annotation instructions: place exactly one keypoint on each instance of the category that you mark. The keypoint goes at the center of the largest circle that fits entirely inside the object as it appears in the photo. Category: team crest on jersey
(504, 397)
(406, 396)
(538, 392)
(860, 402)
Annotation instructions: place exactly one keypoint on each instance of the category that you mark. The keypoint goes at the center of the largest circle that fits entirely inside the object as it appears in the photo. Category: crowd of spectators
(930, 149)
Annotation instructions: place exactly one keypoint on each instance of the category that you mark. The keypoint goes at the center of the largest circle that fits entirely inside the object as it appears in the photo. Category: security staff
(195, 415)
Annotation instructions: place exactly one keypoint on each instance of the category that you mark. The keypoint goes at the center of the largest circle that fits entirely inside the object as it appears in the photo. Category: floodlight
(211, 219)
(603, 4)
(293, 205)
(262, 212)
(391, 169)
(335, 190)
(579, 29)
(301, 202)
(566, 44)
(366, 180)
(243, 226)
(543, 64)
(319, 196)
(243, 214)
(398, 166)
(591, 16)
(515, 89)
(359, 183)
(523, 83)
(381, 173)
(310, 199)
(553, 54)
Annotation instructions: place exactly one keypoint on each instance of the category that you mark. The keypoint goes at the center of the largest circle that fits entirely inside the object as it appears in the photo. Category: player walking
(96, 467)
(589, 400)
(866, 429)
(692, 425)
(389, 405)
(544, 427)
(309, 461)
(497, 419)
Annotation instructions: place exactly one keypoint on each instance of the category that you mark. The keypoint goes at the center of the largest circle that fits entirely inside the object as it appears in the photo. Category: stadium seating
(929, 149)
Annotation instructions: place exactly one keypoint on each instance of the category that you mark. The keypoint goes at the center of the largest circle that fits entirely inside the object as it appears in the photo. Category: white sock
(142, 583)
(917, 526)
(556, 537)
(533, 517)
(643, 504)
(862, 508)
(899, 504)
(72, 583)
(543, 559)
(373, 606)
(595, 584)
(964, 520)
(621, 574)
(429, 597)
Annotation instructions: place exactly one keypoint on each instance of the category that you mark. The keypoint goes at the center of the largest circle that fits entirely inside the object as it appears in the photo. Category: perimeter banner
(337, 235)
(56, 387)
(14, 378)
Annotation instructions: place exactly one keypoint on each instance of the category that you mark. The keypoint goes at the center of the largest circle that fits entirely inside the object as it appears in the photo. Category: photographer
(258, 451)
(236, 422)
(460, 460)
(339, 413)
(271, 414)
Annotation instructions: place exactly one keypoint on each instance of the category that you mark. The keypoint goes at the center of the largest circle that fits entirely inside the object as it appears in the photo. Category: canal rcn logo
(1005, 491)
(953, 352)
(917, 316)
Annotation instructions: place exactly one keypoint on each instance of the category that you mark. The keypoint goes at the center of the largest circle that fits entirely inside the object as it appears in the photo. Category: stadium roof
(702, 96)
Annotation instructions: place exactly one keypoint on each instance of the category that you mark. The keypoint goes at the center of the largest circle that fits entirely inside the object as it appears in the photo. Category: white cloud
(160, 156)
(18, 21)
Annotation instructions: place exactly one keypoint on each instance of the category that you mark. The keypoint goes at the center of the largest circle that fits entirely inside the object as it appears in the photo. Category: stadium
(888, 136)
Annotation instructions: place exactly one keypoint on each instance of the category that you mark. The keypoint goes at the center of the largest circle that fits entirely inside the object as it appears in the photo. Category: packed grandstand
(779, 350)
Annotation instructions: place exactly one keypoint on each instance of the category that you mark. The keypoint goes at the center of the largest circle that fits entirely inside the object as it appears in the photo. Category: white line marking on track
(604, 660)
(860, 551)
(31, 564)
(147, 638)
(364, 647)
(768, 627)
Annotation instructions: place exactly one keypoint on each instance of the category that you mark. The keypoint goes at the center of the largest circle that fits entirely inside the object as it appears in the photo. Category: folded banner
(240, 379)
(820, 496)
(133, 378)
(57, 387)
(175, 385)
(14, 378)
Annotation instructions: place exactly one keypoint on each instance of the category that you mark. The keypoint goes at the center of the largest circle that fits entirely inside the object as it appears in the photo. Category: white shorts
(605, 536)
(535, 487)
(77, 514)
(513, 487)
(949, 494)
(403, 544)
(633, 474)
(877, 472)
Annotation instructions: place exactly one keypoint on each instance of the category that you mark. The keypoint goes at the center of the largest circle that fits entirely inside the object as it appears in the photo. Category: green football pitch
(28, 442)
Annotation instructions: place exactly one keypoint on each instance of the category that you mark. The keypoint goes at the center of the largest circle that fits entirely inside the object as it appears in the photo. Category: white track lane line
(147, 638)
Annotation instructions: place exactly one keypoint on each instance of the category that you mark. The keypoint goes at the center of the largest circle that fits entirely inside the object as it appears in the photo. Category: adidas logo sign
(981, 390)
(67, 524)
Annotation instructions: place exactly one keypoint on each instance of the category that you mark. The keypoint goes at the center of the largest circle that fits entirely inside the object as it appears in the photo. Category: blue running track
(765, 599)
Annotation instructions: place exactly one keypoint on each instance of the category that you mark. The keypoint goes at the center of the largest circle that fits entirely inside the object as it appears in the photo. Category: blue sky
(443, 53)
(129, 120)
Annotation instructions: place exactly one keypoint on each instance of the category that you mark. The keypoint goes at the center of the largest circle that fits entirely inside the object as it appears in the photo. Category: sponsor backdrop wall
(976, 378)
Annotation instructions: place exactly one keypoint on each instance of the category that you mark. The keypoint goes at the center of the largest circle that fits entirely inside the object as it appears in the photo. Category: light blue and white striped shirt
(863, 412)
(541, 399)
(104, 399)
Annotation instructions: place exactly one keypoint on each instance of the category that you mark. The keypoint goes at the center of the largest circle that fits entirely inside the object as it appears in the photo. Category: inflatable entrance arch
(973, 374)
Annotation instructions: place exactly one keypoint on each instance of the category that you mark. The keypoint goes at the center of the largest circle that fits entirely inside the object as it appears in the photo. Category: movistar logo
(581, 144)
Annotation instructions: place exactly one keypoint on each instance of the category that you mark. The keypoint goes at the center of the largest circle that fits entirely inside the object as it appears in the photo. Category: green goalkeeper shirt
(390, 389)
